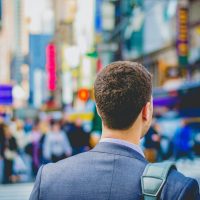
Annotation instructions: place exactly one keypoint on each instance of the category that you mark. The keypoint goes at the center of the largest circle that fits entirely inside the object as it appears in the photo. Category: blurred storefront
(41, 33)
(75, 43)
(159, 31)
(194, 56)
(77, 59)
(37, 68)
(6, 39)
(107, 30)
(20, 21)
(13, 54)
(6, 101)
(163, 35)
(126, 32)
(151, 32)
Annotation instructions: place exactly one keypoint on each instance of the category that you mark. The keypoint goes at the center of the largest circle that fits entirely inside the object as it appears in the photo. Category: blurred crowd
(182, 143)
(26, 145)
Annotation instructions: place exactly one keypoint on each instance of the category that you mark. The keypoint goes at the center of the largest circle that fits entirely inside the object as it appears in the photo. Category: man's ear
(147, 111)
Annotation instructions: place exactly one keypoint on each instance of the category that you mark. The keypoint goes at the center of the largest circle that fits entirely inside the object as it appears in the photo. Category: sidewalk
(16, 191)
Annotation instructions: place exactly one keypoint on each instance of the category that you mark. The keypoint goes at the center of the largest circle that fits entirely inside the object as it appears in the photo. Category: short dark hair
(121, 91)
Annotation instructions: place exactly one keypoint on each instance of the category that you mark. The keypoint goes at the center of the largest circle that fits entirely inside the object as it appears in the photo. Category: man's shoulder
(88, 163)
(51, 177)
(178, 186)
(65, 164)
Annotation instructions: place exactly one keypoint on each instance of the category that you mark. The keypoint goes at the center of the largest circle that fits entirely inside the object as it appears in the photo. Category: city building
(153, 33)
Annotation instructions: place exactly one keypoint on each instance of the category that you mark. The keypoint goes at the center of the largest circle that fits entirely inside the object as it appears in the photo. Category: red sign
(51, 66)
(99, 65)
(83, 94)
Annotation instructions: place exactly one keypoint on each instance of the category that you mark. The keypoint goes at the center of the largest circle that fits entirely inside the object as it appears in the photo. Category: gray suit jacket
(110, 172)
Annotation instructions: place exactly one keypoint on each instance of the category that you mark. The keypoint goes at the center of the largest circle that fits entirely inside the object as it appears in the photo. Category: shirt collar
(124, 143)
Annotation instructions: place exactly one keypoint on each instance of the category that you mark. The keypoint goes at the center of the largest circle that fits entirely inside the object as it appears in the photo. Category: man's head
(123, 93)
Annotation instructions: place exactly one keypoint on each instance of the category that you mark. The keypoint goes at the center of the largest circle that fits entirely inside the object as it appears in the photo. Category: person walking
(56, 144)
(78, 137)
(10, 149)
(113, 169)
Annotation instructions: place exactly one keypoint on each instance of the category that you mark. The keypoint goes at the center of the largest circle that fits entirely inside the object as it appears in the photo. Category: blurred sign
(37, 46)
(71, 9)
(37, 50)
(98, 16)
(67, 88)
(87, 71)
(0, 14)
(108, 16)
(6, 97)
(72, 56)
(83, 94)
(99, 65)
(108, 47)
(182, 42)
(51, 66)
(40, 91)
(83, 116)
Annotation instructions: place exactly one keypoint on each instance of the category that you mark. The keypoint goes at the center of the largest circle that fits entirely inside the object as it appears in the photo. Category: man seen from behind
(113, 169)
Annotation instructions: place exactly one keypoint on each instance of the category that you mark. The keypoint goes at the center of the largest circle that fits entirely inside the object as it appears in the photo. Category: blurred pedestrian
(56, 144)
(67, 125)
(9, 154)
(44, 129)
(2, 136)
(78, 137)
(28, 125)
(33, 148)
(197, 144)
(20, 136)
(1, 149)
(152, 144)
(183, 143)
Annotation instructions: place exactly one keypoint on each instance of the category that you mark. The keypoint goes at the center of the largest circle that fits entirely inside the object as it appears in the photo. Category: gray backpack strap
(153, 179)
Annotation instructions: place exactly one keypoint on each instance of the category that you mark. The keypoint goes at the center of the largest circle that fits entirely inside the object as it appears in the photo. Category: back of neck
(131, 135)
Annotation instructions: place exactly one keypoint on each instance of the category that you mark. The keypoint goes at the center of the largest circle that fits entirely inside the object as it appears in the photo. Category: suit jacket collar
(117, 149)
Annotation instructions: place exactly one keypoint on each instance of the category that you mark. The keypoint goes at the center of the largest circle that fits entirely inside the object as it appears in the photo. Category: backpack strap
(153, 179)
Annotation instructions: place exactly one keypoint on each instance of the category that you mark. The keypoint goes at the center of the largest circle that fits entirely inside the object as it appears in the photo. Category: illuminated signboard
(99, 65)
(182, 42)
(6, 97)
(83, 94)
(0, 14)
(51, 66)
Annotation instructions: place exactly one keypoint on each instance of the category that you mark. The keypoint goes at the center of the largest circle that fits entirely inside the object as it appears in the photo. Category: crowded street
(78, 73)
